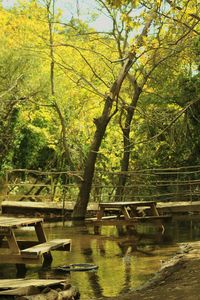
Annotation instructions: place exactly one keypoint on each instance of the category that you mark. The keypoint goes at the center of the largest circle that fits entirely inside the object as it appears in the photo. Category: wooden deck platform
(51, 210)
(179, 207)
(46, 210)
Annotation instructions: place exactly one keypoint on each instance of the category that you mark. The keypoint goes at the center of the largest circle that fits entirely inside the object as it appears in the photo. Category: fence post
(190, 192)
(6, 190)
(52, 188)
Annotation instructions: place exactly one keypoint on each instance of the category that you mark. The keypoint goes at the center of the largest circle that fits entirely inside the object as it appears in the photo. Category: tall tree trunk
(130, 110)
(84, 194)
(101, 124)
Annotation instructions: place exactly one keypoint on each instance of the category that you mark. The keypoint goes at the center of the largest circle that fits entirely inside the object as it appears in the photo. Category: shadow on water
(126, 257)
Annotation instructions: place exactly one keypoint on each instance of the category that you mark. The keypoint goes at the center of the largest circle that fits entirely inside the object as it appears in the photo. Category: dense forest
(77, 98)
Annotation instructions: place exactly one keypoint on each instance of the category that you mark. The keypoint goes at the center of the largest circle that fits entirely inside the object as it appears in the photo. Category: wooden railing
(172, 184)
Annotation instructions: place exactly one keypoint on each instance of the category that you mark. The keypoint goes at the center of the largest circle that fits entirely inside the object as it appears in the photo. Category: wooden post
(100, 213)
(52, 188)
(190, 192)
(63, 204)
(6, 190)
(125, 213)
(12, 242)
(42, 239)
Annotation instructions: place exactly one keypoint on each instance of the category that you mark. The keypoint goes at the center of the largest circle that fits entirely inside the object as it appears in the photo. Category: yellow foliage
(155, 43)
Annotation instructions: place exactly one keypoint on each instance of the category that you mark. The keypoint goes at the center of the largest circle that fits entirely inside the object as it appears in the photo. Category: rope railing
(171, 184)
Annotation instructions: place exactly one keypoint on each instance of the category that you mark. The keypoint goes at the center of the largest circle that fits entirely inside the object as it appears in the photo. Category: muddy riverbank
(178, 278)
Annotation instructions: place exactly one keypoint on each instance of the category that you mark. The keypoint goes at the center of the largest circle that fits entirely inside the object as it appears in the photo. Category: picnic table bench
(125, 212)
(22, 252)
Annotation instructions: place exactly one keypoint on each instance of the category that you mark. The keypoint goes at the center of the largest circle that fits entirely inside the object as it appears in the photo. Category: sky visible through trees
(83, 9)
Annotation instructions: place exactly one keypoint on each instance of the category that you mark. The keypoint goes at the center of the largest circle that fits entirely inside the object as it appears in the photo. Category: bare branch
(194, 16)
(80, 76)
(12, 87)
(180, 113)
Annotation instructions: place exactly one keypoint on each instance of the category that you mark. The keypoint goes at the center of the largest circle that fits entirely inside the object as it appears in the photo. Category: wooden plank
(103, 218)
(126, 203)
(12, 242)
(40, 233)
(8, 284)
(45, 205)
(125, 213)
(154, 210)
(179, 207)
(7, 221)
(127, 221)
(19, 259)
(57, 244)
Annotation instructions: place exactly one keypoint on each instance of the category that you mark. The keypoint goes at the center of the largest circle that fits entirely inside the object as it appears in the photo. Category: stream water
(125, 260)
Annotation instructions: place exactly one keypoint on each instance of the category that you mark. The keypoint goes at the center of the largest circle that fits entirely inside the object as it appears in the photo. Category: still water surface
(126, 260)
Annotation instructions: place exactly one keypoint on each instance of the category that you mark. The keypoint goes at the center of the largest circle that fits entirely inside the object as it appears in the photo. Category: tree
(148, 51)
(101, 123)
(83, 86)
(160, 46)
(51, 19)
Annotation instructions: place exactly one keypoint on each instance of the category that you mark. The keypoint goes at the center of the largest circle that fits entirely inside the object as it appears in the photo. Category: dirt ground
(179, 278)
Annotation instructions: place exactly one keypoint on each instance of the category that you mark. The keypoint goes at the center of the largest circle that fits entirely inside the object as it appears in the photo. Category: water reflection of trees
(117, 257)
(93, 276)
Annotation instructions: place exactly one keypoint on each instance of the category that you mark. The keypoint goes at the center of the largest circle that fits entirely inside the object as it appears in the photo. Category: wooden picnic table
(22, 252)
(126, 212)
(126, 209)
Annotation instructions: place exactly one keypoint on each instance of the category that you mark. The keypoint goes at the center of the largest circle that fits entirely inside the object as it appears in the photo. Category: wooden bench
(23, 252)
(120, 221)
(38, 250)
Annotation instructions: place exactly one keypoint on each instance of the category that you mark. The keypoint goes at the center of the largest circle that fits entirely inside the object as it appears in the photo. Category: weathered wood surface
(44, 205)
(35, 253)
(38, 289)
(46, 210)
(116, 220)
(132, 221)
(57, 244)
(178, 207)
(13, 222)
(9, 284)
(51, 209)
(128, 210)
(128, 213)
(110, 205)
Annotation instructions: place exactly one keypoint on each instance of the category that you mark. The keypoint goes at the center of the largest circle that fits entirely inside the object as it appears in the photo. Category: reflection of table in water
(25, 251)
(125, 213)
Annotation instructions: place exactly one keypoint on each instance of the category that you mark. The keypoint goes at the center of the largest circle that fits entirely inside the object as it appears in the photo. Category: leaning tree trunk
(84, 194)
(101, 124)
(127, 144)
